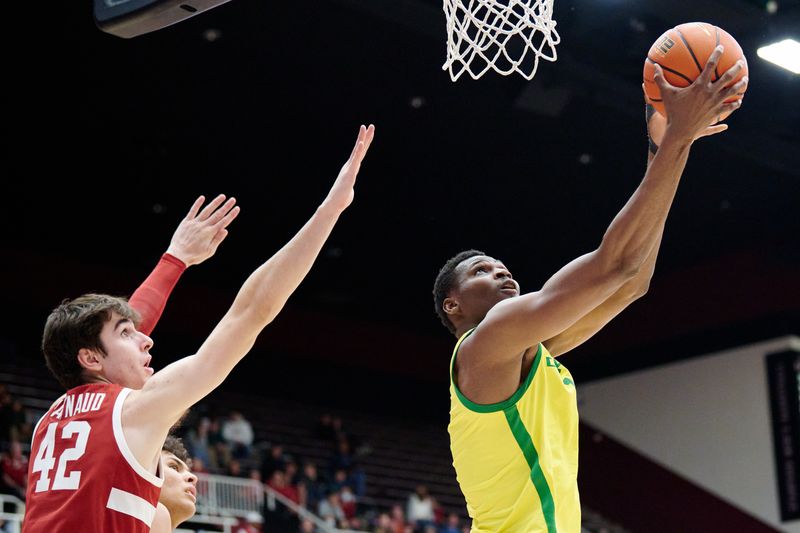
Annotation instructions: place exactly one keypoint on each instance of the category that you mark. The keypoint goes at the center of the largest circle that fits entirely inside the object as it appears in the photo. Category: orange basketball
(682, 53)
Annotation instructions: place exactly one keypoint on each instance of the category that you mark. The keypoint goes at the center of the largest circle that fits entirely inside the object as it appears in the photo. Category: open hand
(657, 125)
(341, 194)
(201, 232)
(691, 110)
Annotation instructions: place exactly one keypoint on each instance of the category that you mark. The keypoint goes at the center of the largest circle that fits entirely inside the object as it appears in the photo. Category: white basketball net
(506, 35)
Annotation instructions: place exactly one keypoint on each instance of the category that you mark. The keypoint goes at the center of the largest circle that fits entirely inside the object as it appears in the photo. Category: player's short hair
(76, 324)
(175, 446)
(444, 283)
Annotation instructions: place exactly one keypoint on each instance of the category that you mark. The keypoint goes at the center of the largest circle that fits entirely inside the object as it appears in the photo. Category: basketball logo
(665, 44)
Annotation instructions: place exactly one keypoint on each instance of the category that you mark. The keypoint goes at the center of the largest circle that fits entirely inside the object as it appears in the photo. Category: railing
(224, 495)
(14, 518)
(229, 496)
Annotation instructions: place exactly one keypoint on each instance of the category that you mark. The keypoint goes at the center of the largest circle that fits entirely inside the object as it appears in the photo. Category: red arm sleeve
(151, 297)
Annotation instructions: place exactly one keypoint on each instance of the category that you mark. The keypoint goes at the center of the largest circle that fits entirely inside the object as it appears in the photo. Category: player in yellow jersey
(513, 414)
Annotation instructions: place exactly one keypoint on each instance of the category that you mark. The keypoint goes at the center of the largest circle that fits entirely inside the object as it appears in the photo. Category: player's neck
(95, 379)
(463, 328)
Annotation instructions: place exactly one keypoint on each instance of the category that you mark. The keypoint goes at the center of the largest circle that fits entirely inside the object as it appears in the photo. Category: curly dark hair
(174, 445)
(445, 281)
(76, 324)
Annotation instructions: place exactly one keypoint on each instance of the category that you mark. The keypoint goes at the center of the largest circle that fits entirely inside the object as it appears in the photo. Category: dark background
(110, 140)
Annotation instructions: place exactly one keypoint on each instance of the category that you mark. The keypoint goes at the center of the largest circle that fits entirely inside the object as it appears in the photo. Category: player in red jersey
(96, 452)
(196, 239)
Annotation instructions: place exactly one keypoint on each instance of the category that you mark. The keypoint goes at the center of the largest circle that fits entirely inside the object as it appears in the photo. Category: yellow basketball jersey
(517, 461)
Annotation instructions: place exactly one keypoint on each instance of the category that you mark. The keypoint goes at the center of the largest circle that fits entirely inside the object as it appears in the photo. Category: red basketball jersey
(82, 476)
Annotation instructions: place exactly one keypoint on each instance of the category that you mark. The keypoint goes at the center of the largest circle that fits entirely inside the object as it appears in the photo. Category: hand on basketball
(201, 232)
(657, 125)
(341, 194)
(693, 111)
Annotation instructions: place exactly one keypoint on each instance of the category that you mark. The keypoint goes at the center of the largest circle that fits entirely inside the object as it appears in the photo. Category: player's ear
(90, 359)
(450, 306)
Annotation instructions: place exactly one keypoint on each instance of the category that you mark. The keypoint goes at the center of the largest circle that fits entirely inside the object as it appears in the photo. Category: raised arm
(196, 238)
(149, 413)
(630, 240)
(637, 286)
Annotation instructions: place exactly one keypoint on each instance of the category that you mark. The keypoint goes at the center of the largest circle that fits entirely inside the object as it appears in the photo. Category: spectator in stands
(453, 524)
(5, 413)
(281, 518)
(312, 489)
(249, 524)
(384, 524)
(275, 460)
(19, 426)
(338, 428)
(281, 485)
(179, 491)
(330, 509)
(198, 466)
(219, 450)
(307, 526)
(358, 479)
(348, 502)
(324, 430)
(290, 470)
(197, 440)
(342, 458)
(339, 480)
(419, 509)
(235, 469)
(14, 467)
(238, 433)
(399, 523)
(438, 512)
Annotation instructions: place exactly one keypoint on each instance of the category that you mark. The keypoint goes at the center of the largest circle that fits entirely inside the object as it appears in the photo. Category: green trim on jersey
(499, 406)
(525, 443)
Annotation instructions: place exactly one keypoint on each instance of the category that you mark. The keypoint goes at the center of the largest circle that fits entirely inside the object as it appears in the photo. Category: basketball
(682, 53)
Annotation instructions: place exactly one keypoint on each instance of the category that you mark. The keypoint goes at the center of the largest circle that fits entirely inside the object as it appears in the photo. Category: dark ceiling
(112, 139)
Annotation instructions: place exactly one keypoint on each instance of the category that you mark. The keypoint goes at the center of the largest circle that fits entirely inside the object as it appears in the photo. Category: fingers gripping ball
(682, 53)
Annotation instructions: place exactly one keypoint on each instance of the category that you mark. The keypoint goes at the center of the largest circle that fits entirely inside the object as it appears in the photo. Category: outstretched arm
(149, 413)
(196, 239)
(629, 242)
(636, 287)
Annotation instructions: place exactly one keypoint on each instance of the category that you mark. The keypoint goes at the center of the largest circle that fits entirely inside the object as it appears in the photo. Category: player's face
(179, 491)
(127, 360)
(482, 283)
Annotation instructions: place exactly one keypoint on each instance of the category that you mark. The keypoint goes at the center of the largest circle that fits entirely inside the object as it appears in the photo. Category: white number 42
(45, 460)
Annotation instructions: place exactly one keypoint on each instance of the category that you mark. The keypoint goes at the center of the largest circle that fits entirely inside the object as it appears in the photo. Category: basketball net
(508, 37)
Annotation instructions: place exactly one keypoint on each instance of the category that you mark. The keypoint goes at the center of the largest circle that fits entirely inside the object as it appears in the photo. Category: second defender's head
(468, 286)
(93, 338)
(179, 492)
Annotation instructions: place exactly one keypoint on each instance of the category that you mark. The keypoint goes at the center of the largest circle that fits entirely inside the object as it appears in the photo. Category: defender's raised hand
(201, 232)
(341, 194)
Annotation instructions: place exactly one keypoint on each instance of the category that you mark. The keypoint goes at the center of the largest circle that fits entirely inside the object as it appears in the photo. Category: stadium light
(785, 54)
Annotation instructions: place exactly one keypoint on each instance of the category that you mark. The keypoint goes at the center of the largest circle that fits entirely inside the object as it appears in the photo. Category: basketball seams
(688, 80)
(691, 52)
